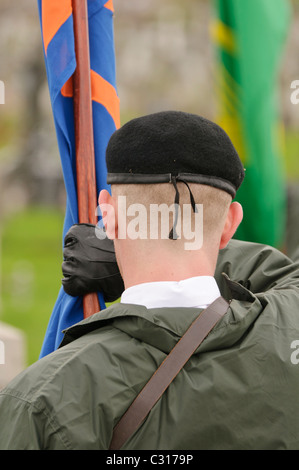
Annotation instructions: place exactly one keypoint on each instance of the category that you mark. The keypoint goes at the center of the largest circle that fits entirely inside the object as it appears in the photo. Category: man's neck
(162, 265)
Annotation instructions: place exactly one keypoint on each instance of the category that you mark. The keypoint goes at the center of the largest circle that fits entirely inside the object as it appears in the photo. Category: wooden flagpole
(85, 155)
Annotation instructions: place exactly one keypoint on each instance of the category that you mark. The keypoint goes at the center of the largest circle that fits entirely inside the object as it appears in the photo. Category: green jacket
(238, 391)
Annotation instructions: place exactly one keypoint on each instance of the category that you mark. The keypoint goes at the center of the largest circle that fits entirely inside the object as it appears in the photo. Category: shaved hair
(215, 203)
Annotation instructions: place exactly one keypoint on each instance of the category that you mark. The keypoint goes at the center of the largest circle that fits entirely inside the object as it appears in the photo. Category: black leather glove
(90, 264)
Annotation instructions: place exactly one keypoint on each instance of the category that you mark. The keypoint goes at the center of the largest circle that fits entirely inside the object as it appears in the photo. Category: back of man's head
(149, 212)
(181, 161)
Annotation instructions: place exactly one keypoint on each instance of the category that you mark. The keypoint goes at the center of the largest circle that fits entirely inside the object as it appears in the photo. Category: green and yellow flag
(249, 36)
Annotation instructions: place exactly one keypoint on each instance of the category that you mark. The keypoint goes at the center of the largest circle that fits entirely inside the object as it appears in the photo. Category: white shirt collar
(196, 292)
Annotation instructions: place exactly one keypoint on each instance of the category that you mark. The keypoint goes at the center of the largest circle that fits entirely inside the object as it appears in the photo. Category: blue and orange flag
(57, 27)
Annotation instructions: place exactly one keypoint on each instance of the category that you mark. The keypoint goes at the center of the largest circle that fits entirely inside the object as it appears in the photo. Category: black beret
(172, 144)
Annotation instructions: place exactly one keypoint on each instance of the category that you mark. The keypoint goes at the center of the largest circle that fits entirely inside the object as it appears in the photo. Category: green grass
(31, 272)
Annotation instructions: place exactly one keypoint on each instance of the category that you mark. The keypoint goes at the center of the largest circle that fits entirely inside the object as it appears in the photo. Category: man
(239, 389)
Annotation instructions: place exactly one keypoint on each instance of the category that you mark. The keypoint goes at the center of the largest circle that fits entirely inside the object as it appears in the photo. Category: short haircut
(215, 203)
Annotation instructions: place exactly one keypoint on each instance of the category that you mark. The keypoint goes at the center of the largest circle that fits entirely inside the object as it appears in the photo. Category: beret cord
(172, 234)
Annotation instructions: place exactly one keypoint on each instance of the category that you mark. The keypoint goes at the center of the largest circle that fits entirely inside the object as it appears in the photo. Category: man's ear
(109, 213)
(233, 220)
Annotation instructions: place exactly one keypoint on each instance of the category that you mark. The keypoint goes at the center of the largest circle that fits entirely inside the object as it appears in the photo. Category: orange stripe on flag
(102, 92)
(109, 5)
(67, 89)
(54, 14)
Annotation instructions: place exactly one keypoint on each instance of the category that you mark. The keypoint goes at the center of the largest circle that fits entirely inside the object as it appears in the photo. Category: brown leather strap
(167, 371)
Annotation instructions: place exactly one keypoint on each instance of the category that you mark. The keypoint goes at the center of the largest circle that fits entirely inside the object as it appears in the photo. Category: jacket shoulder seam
(17, 395)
